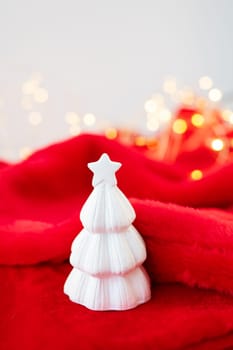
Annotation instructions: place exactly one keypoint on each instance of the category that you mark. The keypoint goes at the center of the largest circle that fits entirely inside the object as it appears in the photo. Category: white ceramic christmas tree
(108, 253)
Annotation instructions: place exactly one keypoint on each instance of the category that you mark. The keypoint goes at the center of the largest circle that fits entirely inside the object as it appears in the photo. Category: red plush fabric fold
(189, 238)
(38, 315)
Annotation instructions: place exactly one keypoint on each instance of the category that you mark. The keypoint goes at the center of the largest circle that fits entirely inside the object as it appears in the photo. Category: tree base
(110, 293)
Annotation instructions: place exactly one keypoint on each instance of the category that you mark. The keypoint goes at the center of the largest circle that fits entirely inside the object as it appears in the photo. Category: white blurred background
(103, 58)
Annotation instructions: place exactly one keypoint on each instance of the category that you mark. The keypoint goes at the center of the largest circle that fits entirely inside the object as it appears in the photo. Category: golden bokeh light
(215, 95)
(29, 87)
(197, 120)
(152, 124)
(150, 106)
(40, 95)
(24, 152)
(179, 126)
(111, 133)
(205, 83)
(217, 145)
(165, 115)
(89, 119)
(71, 118)
(196, 174)
(140, 141)
(227, 115)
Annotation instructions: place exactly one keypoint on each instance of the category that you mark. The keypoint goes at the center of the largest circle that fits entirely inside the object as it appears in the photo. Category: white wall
(106, 57)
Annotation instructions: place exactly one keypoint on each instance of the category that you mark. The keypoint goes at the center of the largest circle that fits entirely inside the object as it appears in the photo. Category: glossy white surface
(104, 170)
(107, 210)
(113, 293)
(108, 253)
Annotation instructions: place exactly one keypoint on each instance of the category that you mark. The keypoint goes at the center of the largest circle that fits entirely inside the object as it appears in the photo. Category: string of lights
(166, 129)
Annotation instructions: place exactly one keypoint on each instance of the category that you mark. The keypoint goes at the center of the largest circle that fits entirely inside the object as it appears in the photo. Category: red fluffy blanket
(188, 229)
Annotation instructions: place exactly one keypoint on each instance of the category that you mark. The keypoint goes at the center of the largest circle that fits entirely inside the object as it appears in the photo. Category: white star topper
(104, 170)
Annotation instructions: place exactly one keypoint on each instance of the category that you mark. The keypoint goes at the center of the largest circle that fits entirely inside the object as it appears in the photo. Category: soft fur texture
(39, 217)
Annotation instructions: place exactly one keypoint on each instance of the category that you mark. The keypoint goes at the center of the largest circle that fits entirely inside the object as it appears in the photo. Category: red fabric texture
(188, 229)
